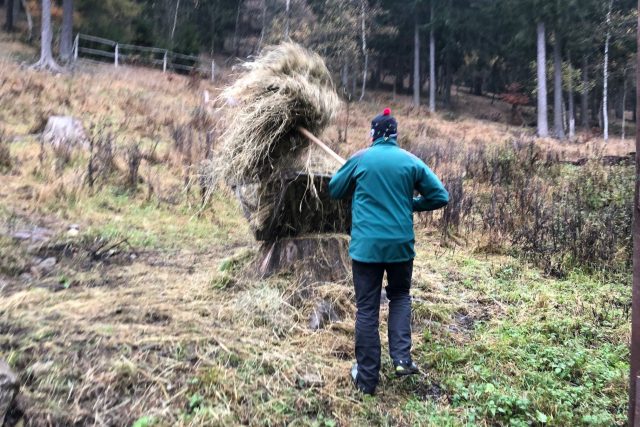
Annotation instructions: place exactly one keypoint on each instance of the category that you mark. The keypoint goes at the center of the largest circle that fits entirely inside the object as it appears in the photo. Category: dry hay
(263, 156)
(294, 201)
(286, 87)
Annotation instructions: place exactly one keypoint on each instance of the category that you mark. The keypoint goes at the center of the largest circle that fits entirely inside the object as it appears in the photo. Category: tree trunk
(25, 6)
(212, 29)
(311, 258)
(635, 298)
(558, 125)
(236, 42)
(432, 66)
(605, 76)
(416, 63)
(543, 124)
(354, 79)
(572, 112)
(287, 20)
(344, 78)
(9, 5)
(448, 79)
(584, 114)
(624, 106)
(46, 57)
(175, 21)
(263, 24)
(365, 53)
(399, 81)
(66, 39)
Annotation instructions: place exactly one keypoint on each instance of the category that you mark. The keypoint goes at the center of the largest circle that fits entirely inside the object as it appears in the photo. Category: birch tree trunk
(416, 64)
(432, 66)
(584, 115)
(543, 123)
(605, 90)
(365, 53)
(572, 108)
(66, 39)
(46, 61)
(558, 125)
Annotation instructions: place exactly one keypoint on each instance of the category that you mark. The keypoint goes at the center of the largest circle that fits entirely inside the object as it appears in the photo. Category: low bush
(520, 198)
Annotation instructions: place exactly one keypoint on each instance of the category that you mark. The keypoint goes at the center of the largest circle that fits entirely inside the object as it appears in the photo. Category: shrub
(556, 215)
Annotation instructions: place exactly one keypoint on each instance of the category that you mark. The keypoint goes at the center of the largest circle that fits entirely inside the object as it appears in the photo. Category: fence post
(164, 62)
(76, 46)
(116, 56)
(213, 70)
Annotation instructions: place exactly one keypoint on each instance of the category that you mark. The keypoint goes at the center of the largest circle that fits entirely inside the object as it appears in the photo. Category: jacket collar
(383, 141)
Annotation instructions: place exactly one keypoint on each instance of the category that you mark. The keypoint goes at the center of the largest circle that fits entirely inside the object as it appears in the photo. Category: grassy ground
(147, 319)
(159, 331)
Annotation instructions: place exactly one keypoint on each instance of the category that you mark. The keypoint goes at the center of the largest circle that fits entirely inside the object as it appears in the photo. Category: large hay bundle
(286, 87)
(279, 181)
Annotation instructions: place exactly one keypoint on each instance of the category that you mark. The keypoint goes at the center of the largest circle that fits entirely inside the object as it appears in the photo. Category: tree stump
(65, 133)
(311, 258)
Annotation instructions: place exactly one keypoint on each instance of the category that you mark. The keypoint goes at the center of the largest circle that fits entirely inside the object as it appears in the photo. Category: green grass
(115, 215)
(556, 354)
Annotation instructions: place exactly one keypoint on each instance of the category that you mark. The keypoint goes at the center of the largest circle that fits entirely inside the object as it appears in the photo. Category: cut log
(311, 258)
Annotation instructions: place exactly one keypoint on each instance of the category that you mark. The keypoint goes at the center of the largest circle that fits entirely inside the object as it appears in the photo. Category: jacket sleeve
(343, 182)
(433, 195)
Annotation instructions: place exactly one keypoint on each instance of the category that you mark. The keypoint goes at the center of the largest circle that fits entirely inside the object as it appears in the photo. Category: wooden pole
(213, 70)
(164, 62)
(634, 420)
(324, 146)
(76, 45)
(116, 56)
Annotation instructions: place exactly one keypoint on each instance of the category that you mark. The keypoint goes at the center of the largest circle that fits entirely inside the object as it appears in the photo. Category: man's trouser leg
(367, 280)
(399, 327)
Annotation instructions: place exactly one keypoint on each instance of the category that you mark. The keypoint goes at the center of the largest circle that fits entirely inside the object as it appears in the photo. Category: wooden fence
(103, 50)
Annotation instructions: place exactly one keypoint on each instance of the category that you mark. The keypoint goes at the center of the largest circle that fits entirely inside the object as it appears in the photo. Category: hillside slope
(144, 314)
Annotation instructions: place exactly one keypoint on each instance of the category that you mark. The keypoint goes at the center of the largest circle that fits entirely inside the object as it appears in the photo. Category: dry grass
(154, 329)
(141, 104)
(284, 88)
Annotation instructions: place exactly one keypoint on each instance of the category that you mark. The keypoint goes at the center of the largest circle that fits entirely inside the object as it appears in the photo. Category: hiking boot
(354, 377)
(406, 368)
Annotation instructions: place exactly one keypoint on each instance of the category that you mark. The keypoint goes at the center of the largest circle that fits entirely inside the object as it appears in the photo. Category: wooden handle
(322, 145)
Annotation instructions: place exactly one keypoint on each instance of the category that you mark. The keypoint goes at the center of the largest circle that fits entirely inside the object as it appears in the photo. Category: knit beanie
(384, 125)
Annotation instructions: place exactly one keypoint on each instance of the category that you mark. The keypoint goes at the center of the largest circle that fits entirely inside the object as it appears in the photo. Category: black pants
(367, 279)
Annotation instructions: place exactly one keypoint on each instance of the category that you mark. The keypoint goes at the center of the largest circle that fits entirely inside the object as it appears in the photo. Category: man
(382, 180)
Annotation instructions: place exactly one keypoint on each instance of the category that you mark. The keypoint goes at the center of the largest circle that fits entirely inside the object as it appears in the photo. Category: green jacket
(382, 180)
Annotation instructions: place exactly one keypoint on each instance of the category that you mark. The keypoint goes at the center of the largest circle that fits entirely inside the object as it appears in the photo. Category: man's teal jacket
(382, 180)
